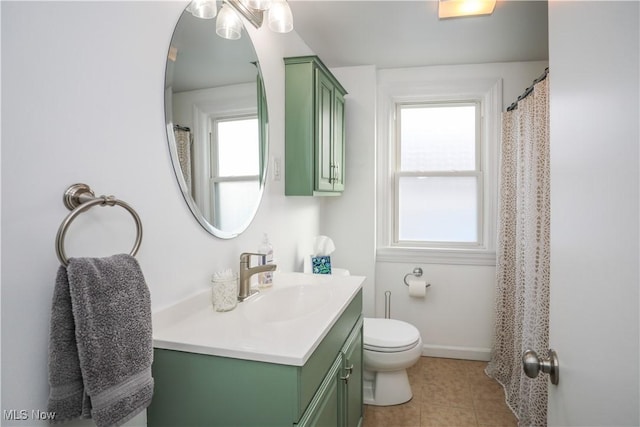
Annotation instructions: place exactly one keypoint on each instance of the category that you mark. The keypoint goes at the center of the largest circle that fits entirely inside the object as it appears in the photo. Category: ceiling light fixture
(228, 23)
(458, 8)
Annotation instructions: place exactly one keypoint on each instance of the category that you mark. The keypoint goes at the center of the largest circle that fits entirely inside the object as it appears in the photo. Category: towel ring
(79, 198)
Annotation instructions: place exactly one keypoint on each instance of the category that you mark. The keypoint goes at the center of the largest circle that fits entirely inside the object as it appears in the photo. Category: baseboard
(452, 352)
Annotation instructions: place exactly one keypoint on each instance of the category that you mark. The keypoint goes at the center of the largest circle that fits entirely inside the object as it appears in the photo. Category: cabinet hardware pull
(335, 172)
(349, 370)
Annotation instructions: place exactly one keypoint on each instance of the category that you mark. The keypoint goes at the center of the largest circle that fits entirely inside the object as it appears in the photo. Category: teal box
(321, 264)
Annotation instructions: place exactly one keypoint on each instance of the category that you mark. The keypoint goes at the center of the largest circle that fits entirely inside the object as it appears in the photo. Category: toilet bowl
(390, 347)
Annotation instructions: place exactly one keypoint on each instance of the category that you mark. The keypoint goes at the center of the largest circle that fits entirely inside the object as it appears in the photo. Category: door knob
(532, 365)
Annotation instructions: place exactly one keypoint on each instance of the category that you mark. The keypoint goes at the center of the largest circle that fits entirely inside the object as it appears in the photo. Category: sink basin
(283, 324)
(293, 302)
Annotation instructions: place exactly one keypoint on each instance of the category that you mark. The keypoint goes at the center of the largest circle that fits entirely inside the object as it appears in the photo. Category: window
(437, 159)
(438, 175)
(235, 170)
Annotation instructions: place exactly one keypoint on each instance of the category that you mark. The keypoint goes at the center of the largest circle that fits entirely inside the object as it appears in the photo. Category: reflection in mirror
(216, 117)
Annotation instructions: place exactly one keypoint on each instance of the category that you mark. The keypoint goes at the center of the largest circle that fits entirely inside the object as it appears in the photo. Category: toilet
(390, 347)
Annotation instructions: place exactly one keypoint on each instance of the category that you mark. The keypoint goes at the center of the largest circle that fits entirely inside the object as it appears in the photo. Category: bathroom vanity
(290, 356)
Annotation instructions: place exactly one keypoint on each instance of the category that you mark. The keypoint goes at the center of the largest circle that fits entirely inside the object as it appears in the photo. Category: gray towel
(100, 346)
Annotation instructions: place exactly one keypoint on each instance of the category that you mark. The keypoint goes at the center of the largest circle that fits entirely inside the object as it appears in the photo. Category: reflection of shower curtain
(522, 266)
(183, 146)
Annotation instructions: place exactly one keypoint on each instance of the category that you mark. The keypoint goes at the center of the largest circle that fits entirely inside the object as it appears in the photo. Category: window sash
(479, 209)
(449, 104)
(215, 142)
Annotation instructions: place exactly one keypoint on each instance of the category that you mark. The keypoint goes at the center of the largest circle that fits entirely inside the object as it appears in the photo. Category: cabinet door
(324, 409)
(352, 381)
(337, 172)
(324, 133)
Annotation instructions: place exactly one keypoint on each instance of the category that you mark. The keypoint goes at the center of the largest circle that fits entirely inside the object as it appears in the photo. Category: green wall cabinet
(193, 389)
(314, 129)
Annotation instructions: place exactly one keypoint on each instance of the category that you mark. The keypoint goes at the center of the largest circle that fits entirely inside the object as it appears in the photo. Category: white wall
(456, 318)
(82, 98)
(349, 219)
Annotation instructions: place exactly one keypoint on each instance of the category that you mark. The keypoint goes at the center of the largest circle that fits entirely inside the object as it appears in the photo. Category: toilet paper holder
(417, 272)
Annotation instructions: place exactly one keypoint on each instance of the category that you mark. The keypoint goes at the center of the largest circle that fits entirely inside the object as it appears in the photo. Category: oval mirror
(216, 116)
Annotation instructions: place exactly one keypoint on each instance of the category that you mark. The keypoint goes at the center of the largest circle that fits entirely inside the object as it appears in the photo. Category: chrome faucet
(246, 272)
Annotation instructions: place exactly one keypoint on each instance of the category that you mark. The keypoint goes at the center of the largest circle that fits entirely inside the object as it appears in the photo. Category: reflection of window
(438, 175)
(235, 170)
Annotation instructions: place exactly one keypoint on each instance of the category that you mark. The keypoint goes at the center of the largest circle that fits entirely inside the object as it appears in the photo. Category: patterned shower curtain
(183, 147)
(522, 266)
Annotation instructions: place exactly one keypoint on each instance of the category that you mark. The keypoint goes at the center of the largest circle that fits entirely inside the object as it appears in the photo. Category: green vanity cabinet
(314, 129)
(338, 402)
(193, 389)
(352, 384)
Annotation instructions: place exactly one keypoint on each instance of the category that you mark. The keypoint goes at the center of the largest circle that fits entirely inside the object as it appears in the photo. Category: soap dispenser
(266, 249)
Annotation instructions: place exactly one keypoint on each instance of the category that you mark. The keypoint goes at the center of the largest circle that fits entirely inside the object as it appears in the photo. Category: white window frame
(477, 173)
(488, 94)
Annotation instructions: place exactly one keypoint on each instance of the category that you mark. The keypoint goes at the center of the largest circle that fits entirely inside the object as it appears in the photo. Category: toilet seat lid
(389, 335)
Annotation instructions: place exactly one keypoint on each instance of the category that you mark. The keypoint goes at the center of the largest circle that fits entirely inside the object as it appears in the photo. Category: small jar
(224, 292)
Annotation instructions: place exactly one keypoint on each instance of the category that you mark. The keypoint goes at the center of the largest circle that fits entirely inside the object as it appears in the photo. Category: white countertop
(283, 324)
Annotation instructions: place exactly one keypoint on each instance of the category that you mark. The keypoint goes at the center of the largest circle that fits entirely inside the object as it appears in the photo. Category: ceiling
(405, 33)
(384, 33)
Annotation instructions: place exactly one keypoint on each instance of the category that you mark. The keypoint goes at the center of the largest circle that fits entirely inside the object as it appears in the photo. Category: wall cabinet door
(338, 146)
(324, 133)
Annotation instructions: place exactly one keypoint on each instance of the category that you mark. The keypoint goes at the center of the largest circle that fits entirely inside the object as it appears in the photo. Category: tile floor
(446, 393)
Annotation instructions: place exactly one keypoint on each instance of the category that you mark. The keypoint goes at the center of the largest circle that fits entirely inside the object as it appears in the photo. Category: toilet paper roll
(417, 288)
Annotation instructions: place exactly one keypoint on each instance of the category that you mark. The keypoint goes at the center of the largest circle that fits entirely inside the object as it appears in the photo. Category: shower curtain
(522, 265)
(183, 147)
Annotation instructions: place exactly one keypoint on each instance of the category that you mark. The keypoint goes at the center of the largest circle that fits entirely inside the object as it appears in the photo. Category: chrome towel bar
(79, 198)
